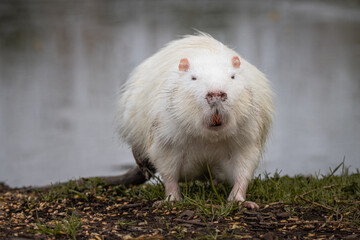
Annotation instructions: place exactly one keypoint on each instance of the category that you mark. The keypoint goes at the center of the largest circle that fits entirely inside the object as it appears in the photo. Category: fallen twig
(302, 196)
(299, 223)
(316, 189)
(275, 203)
(316, 203)
(133, 205)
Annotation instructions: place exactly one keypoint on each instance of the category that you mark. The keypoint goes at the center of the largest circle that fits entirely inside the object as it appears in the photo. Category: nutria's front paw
(159, 203)
(248, 205)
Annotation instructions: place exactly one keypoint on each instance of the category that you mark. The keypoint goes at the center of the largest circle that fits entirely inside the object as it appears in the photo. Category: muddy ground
(24, 214)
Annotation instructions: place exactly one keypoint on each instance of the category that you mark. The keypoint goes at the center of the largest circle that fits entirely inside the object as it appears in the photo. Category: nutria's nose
(216, 96)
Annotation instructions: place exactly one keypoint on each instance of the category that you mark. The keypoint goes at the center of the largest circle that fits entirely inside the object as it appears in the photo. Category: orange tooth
(216, 119)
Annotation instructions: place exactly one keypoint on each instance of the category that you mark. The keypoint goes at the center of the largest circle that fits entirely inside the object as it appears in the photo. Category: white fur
(165, 116)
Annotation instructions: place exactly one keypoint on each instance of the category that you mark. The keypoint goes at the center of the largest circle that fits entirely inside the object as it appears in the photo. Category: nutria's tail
(132, 177)
(137, 175)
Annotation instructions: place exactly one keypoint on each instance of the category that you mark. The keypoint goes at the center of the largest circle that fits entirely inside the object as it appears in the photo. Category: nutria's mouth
(216, 121)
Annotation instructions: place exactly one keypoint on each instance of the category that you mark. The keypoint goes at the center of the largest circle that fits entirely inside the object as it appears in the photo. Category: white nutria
(193, 104)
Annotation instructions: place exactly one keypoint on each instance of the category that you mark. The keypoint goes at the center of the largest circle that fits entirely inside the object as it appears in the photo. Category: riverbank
(313, 207)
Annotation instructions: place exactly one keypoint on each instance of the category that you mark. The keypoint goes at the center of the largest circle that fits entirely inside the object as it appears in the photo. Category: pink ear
(184, 65)
(236, 62)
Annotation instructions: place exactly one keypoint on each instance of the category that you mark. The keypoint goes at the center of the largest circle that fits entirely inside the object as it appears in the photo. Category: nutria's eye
(193, 78)
(233, 76)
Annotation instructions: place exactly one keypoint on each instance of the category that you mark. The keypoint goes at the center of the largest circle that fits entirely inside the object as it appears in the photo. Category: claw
(159, 203)
(248, 205)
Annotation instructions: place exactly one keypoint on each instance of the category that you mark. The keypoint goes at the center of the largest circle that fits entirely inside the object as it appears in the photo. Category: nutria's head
(211, 96)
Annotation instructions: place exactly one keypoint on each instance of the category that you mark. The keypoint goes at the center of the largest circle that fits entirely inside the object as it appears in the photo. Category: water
(61, 63)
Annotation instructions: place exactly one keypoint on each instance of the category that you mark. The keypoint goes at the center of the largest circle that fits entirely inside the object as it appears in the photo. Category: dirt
(22, 215)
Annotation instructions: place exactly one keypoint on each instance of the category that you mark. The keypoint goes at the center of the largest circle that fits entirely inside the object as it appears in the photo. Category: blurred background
(62, 63)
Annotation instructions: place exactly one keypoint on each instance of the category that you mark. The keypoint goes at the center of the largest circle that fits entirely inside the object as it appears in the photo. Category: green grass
(332, 192)
(72, 188)
(123, 222)
(324, 188)
(66, 226)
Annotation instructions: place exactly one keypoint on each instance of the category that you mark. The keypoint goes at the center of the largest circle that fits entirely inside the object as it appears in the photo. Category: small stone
(283, 215)
(270, 236)
(188, 214)
(353, 236)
